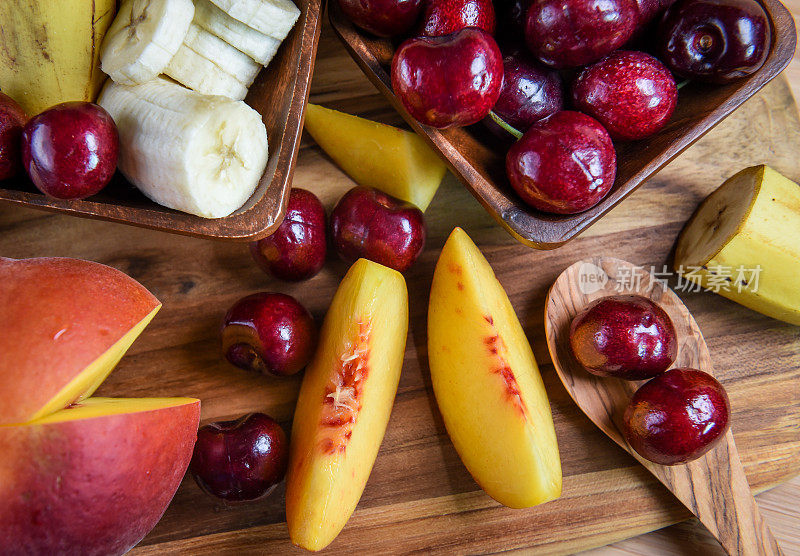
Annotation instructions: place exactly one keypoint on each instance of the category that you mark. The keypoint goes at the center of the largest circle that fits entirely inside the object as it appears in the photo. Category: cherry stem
(505, 125)
(682, 84)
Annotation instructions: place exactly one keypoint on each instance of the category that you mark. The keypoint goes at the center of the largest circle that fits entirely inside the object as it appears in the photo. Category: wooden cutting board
(419, 497)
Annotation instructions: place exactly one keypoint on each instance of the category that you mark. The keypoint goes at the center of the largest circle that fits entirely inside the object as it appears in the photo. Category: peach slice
(64, 325)
(396, 161)
(345, 401)
(94, 478)
(486, 381)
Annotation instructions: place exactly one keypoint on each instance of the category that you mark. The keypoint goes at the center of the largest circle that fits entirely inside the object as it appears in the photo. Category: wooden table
(136, 251)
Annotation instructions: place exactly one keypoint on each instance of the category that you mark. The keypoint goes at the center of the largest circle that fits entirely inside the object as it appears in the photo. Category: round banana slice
(257, 45)
(143, 38)
(270, 17)
(200, 154)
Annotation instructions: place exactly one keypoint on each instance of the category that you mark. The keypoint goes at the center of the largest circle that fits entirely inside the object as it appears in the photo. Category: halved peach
(94, 478)
(64, 325)
(487, 383)
(345, 402)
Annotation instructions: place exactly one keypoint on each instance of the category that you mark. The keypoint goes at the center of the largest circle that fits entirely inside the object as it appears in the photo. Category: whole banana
(50, 51)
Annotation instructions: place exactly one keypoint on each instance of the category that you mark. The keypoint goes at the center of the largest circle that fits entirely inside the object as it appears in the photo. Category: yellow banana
(49, 50)
(743, 242)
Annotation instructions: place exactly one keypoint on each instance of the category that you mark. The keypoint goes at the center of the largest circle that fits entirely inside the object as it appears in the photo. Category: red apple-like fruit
(563, 164)
(70, 151)
(384, 18)
(572, 33)
(240, 460)
(624, 336)
(94, 478)
(443, 17)
(296, 250)
(677, 416)
(12, 120)
(64, 325)
(714, 40)
(368, 223)
(631, 93)
(448, 81)
(530, 92)
(270, 333)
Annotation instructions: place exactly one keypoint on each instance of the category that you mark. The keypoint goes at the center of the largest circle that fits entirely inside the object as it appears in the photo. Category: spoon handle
(715, 489)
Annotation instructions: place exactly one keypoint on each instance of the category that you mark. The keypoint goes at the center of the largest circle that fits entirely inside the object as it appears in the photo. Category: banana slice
(211, 66)
(742, 243)
(200, 154)
(200, 74)
(258, 46)
(143, 38)
(271, 17)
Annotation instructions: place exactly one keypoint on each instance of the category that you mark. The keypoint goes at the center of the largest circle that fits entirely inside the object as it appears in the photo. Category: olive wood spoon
(713, 487)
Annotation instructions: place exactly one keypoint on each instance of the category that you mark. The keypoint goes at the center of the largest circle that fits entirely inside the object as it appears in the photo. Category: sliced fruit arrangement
(393, 160)
(270, 17)
(39, 68)
(208, 47)
(143, 39)
(209, 65)
(345, 402)
(191, 151)
(80, 474)
(217, 49)
(745, 234)
(257, 45)
(65, 324)
(487, 383)
(96, 477)
(200, 154)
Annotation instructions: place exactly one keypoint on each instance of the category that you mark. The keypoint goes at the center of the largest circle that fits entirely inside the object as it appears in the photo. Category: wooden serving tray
(279, 93)
(478, 158)
(419, 496)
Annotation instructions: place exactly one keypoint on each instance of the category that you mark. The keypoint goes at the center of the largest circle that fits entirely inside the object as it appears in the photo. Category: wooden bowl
(477, 157)
(279, 94)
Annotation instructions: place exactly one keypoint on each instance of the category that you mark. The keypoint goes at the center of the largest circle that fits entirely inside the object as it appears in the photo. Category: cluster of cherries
(69, 151)
(453, 72)
(273, 334)
(680, 413)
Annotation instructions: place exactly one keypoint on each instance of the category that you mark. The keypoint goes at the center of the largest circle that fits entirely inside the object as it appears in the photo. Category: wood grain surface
(419, 496)
(714, 487)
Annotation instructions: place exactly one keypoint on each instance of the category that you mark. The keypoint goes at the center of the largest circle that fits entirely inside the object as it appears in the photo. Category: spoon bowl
(714, 486)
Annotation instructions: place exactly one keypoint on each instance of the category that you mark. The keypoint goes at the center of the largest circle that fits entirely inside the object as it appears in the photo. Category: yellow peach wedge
(396, 161)
(487, 383)
(345, 402)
